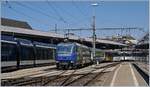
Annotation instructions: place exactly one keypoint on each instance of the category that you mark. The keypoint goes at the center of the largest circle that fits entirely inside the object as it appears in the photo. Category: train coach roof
(73, 43)
(7, 41)
(69, 43)
(24, 42)
(44, 45)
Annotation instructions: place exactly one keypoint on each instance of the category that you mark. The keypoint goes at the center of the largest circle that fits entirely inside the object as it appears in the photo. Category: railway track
(59, 79)
(86, 78)
(72, 79)
(30, 81)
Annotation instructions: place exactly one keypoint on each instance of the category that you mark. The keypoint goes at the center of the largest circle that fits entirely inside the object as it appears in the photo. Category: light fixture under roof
(94, 4)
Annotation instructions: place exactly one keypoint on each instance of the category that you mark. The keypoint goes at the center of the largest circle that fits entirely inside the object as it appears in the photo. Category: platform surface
(126, 75)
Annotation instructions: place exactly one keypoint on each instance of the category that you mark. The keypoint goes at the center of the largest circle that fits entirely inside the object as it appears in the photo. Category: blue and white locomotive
(72, 55)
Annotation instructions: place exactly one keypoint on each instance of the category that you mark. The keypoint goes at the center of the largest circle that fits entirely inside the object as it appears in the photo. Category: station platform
(143, 66)
(25, 72)
(125, 75)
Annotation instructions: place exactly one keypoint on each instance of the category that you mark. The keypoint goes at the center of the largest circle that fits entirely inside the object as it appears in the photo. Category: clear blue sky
(43, 15)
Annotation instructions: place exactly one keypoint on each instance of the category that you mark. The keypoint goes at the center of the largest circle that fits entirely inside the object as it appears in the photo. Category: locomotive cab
(66, 55)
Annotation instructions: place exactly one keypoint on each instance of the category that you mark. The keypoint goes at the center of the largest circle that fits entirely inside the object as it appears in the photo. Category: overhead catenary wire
(99, 29)
(70, 15)
(60, 17)
(51, 12)
(38, 11)
(27, 16)
(56, 11)
(105, 28)
(77, 7)
(35, 10)
(80, 11)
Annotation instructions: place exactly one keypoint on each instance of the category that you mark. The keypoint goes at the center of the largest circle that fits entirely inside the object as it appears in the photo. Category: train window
(64, 49)
(44, 53)
(38, 53)
(99, 53)
(74, 49)
(51, 53)
(27, 53)
(78, 49)
(8, 52)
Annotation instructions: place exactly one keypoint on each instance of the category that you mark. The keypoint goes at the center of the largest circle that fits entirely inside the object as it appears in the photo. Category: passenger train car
(99, 56)
(18, 52)
(72, 55)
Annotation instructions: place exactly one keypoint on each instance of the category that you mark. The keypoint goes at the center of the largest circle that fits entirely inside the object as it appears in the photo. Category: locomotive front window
(64, 49)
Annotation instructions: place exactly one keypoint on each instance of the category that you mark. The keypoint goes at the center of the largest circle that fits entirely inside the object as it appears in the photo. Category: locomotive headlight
(72, 61)
(57, 61)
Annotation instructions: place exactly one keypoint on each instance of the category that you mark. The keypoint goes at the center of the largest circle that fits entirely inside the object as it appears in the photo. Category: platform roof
(15, 23)
(29, 32)
(144, 42)
(53, 35)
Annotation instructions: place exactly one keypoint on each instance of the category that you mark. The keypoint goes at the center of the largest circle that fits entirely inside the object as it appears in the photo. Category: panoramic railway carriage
(72, 55)
(24, 53)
